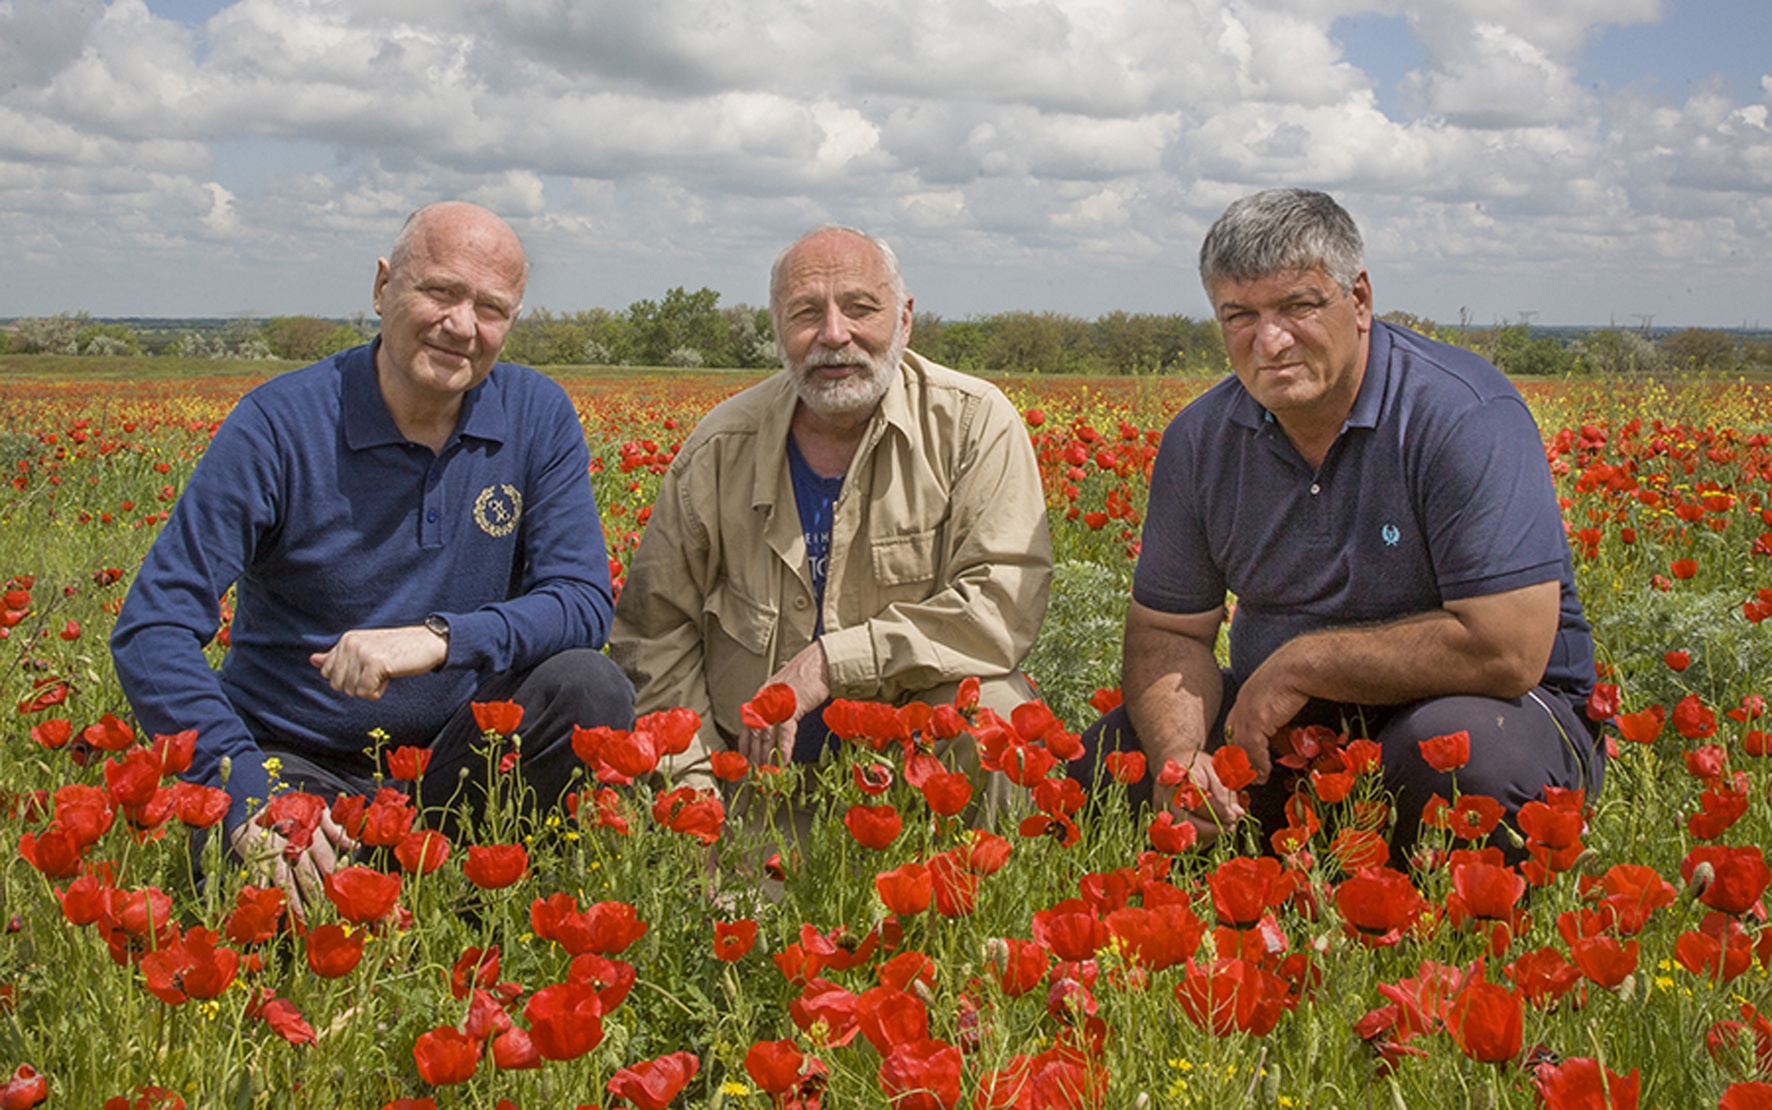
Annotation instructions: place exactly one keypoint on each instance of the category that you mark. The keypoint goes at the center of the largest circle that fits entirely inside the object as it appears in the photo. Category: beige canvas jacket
(940, 558)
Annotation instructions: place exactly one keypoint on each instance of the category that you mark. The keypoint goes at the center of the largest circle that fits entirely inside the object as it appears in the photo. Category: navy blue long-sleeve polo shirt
(327, 519)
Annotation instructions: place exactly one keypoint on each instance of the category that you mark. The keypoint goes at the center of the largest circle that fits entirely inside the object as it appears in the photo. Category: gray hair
(894, 274)
(1282, 229)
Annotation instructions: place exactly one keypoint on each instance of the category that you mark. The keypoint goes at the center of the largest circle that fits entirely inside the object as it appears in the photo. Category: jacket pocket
(905, 560)
(744, 620)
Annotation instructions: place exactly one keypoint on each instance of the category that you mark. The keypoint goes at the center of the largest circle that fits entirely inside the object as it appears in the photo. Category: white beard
(857, 393)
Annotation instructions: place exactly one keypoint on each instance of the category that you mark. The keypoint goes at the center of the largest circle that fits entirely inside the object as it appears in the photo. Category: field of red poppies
(625, 954)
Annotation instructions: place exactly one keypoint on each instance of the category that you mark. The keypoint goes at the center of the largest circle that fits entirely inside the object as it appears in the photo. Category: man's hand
(1220, 809)
(1265, 704)
(364, 659)
(808, 674)
(263, 852)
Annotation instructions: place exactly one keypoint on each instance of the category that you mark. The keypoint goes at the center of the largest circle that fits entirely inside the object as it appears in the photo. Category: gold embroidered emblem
(498, 509)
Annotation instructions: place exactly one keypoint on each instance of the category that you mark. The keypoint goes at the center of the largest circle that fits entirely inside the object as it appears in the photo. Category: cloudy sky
(1590, 161)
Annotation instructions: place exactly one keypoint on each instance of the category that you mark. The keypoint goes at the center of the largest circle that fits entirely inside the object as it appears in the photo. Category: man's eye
(1303, 310)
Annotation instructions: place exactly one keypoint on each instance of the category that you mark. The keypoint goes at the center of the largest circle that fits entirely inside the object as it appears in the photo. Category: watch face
(438, 625)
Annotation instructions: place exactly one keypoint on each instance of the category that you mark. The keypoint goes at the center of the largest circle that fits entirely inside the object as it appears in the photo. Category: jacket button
(799, 603)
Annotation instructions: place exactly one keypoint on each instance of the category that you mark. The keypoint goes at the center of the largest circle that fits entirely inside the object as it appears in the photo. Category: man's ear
(383, 274)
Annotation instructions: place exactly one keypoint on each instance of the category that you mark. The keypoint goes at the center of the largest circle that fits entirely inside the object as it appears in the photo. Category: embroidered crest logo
(1391, 533)
(498, 509)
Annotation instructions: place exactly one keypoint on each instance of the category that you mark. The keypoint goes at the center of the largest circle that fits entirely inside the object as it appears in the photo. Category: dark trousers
(1518, 747)
(578, 687)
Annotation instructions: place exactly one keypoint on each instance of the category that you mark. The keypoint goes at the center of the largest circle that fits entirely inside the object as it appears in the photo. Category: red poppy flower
(1643, 726)
(1447, 753)
(500, 717)
(1232, 995)
(1126, 767)
(293, 815)
(907, 889)
(1604, 702)
(284, 1019)
(1693, 719)
(1580, 1083)
(27, 1087)
(446, 1056)
(1232, 766)
(732, 939)
(198, 806)
(652, 1084)
(362, 895)
(495, 866)
(611, 927)
(774, 1065)
(772, 705)
(56, 853)
(728, 766)
(1157, 938)
(192, 967)
(1719, 949)
(387, 820)
(1018, 965)
(1244, 888)
(955, 884)
(1683, 568)
(1170, 836)
(1060, 797)
(1749, 1095)
(514, 1050)
(257, 912)
(947, 792)
(332, 951)
(422, 851)
(1605, 960)
(54, 733)
(694, 813)
(890, 1017)
(407, 763)
(1719, 809)
(1551, 826)
(108, 734)
(83, 901)
(1739, 876)
(1072, 929)
(1543, 976)
(1357, 849)
(1486, 1021)
(873, 827)
(565, 1020)
(1378, 905)
(1677, 660)
(822, 1001)
(924, 1075)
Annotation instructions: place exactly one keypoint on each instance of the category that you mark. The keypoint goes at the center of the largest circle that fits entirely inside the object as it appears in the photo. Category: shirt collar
(368, 423)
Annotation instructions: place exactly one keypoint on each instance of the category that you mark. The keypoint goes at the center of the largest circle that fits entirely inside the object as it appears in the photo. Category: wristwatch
(439, 625)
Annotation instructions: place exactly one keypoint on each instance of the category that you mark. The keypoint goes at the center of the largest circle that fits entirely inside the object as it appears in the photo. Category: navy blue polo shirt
(325, 518)
(1437, 489)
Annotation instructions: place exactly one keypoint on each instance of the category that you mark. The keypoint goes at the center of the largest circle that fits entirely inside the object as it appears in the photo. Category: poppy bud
(1513, 835)
(227, 768)
(1702, 876)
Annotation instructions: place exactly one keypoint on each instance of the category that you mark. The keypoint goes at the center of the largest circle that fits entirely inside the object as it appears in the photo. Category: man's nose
(459, 319)
(1272, 337)
(834, 331)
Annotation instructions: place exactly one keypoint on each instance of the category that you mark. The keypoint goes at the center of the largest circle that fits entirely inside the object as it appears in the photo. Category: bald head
(459, 226)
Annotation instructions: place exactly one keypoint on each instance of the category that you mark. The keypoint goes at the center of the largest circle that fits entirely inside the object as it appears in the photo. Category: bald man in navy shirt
(1380, 507)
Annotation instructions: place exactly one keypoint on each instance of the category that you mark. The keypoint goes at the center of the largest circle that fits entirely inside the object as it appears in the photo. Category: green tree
(681, 320)
(302, 338)
(1612, 353)
(1704, 349)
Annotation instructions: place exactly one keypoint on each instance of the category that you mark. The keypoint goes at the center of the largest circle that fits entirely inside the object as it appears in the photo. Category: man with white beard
(865, 525)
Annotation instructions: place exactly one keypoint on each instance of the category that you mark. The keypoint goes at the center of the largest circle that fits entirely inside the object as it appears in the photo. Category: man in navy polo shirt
(409, 526)
(1380, 508)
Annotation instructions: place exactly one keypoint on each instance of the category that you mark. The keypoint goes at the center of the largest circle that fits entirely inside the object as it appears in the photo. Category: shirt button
(1315, 489)
(431, 517)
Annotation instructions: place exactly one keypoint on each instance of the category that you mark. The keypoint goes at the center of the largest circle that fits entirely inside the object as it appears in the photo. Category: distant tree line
(691, 329)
